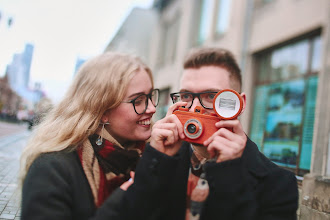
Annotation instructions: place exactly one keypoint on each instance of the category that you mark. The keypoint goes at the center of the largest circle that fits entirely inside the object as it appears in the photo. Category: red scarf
(107, 166)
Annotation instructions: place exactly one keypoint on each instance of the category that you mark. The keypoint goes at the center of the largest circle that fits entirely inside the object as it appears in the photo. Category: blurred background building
(20, 97)
(283, 49)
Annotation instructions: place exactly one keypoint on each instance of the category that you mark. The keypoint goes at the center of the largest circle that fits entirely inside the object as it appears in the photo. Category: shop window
(285, 96)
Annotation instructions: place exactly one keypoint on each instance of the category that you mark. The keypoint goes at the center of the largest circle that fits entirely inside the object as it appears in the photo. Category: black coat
(251, 187)
(56, 188)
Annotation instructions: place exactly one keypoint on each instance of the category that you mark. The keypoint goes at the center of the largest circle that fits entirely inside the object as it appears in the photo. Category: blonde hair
(99, 85)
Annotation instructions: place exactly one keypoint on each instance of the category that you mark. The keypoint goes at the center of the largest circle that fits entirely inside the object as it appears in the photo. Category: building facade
(283, 49)
(134, 35)
(9, 101)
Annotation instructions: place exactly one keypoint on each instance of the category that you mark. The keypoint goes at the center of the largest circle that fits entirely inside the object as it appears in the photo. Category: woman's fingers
(126, 184)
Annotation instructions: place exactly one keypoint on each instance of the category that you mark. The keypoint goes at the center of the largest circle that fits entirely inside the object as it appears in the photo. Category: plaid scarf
(107, 166)
(197, 187)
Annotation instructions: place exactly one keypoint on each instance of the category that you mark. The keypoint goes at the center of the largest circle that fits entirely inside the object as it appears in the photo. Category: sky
(61, 31)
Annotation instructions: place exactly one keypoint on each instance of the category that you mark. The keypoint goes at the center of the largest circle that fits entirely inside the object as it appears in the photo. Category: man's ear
(243, 95)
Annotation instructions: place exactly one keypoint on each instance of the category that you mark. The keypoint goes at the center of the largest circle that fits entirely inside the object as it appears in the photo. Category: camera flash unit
(227, 104)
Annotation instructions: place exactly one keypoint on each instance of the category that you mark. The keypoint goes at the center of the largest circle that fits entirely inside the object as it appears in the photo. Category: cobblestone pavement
(12, 140)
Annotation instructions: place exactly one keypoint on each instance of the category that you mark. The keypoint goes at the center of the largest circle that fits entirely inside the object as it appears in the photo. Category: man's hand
(167, 132)
(228, 142)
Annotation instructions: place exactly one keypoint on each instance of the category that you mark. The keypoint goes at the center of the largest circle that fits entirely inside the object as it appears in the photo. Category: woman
(87, 146)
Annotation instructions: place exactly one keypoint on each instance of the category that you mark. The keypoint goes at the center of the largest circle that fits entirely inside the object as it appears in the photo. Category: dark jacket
(56, 188)
(251, 187)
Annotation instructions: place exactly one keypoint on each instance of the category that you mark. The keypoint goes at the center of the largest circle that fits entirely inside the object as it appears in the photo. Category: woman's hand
(128, 183)
(228, 142)
(167, 132)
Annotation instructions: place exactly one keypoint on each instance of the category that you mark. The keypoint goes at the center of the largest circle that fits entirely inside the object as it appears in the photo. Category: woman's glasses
(140, 103)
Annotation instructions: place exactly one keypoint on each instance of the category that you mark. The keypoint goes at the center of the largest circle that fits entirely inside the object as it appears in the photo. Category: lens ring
(198, 131)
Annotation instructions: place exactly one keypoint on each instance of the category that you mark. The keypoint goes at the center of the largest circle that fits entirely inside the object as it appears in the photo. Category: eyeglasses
(140, 103)
(205, 98)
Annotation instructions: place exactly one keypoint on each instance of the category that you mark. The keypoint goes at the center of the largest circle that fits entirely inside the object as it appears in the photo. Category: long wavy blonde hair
(99, 85)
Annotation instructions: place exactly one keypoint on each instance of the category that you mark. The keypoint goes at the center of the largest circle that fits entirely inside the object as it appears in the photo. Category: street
(13, 138)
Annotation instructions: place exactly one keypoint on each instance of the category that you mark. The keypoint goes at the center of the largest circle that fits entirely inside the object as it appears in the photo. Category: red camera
(198, 126)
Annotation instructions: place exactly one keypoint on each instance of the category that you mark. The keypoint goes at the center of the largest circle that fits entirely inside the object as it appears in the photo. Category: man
(226, 177)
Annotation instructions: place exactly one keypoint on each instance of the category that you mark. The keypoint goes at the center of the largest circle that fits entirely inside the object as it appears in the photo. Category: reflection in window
(205, 20)
(289, 61)
(264, 67)
(223, 16)
(316, 55)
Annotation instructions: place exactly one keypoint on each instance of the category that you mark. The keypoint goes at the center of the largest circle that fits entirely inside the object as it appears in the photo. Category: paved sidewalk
(12, 140)
(7, 128)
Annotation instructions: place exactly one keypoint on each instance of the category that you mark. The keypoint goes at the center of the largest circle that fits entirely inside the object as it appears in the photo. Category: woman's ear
(104, 117)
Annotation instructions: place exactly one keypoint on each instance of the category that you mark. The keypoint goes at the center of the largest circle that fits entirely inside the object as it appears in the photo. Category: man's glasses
(140, 103)
(205, 98)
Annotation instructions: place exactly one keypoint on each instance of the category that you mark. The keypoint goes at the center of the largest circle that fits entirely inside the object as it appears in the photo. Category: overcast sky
(61, 31)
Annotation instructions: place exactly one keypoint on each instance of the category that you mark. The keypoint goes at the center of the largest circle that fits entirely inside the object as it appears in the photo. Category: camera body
(198, 126)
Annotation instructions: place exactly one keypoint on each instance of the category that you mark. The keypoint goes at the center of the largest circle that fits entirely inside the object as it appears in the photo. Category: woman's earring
(99, 140)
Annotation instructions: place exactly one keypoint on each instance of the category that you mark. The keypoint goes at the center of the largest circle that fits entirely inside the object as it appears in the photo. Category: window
(285, 63)
(205, 20)
(285, 96)
(170, 38)
(316, 56)
(262, 2)
(223, 16)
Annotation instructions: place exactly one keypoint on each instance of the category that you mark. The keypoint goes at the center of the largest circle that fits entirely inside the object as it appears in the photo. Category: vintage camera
(198, 126)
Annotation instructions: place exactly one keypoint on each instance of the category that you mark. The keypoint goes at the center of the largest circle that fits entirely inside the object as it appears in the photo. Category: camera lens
(191, 128)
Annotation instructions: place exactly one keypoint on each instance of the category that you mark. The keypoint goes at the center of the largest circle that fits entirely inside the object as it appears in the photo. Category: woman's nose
(151, 108)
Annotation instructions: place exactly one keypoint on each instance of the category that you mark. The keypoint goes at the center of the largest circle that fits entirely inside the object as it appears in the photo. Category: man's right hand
(167, 132)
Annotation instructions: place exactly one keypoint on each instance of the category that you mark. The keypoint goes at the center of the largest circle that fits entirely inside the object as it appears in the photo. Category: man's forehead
(204, 79)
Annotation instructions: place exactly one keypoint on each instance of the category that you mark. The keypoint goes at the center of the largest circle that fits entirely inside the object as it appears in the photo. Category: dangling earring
(99, 140)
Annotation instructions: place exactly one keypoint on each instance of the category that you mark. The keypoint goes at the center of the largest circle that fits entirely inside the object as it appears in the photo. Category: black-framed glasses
(140, 103)
(205, 98)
